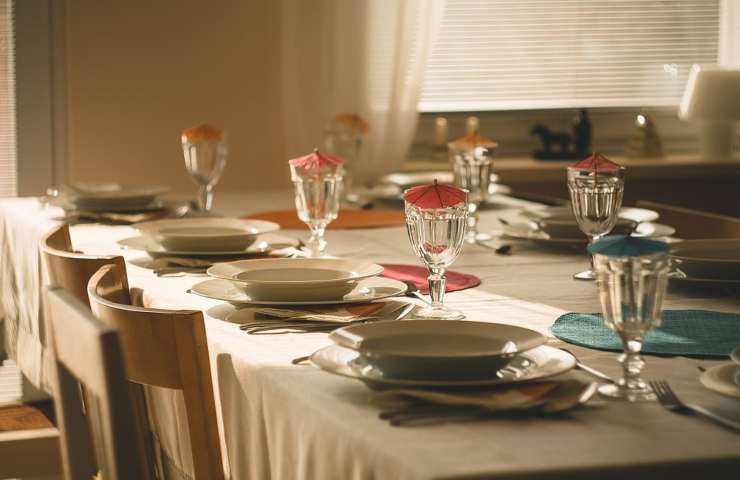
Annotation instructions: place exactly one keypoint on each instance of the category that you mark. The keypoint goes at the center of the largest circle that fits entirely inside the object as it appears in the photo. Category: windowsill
(527, 169)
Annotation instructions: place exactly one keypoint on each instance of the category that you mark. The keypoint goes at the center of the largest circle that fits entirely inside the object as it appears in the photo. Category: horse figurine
(551, 139)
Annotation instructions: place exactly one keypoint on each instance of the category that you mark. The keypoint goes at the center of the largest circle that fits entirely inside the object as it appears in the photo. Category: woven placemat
(348, 218)
(697, 333)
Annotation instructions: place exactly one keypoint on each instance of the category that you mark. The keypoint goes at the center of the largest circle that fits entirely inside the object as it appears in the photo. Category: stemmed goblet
(632, 274)
(317, 180)
(343, 138)
(596, 185)
(471, 158)
(436, 220)
(205, 148)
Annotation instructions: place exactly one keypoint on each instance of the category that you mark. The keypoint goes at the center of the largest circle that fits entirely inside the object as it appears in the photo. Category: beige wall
(140, 71)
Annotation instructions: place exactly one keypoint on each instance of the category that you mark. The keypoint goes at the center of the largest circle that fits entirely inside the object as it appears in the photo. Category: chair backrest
(691, 224)
(87, 352)
(72, 270)
(165, 348)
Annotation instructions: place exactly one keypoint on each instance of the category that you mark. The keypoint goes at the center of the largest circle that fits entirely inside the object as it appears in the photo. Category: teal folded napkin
(699, 333)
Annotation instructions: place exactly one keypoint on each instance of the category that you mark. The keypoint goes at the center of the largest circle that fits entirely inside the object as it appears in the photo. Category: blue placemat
(699, 333)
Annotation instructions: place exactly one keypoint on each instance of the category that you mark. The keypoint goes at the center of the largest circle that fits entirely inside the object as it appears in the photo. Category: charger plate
(536, 364)
(367, 290)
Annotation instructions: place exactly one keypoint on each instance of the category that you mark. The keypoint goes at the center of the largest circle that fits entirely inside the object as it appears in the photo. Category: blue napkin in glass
(695, 333)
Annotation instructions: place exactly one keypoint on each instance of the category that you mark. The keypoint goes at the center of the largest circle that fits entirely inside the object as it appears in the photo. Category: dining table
(285, 421)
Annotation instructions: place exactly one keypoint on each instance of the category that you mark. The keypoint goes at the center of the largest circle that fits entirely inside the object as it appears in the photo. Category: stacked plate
(110, 197)
(389, 191)
(297, 281)
(558, 226)
(206, 237)
(714, 261)
(440, 354)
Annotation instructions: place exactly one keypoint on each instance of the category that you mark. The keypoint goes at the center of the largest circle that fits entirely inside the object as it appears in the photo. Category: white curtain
(361, 56)
(729, 34)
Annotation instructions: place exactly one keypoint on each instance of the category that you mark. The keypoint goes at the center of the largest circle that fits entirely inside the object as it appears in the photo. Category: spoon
(413, 290)
(590, 370)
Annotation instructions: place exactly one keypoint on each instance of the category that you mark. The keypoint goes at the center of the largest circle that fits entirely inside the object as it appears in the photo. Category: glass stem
(205, 198)
(472, 230)
(591, 241)
(316, 244)
(632, 364)
(437, 286)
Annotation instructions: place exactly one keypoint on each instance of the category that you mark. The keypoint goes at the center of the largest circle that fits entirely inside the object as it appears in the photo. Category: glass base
(475, 237)
(619, 391)
(439, 313)
(587, 275)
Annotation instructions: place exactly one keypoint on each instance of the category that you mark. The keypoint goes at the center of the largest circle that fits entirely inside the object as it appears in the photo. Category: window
(494, 55)
(8, 167)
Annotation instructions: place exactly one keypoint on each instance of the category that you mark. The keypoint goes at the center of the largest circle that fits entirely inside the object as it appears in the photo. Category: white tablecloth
(286, 421)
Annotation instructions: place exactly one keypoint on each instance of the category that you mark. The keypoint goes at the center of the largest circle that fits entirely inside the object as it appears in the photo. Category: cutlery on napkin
(284, 320)
(414, 407)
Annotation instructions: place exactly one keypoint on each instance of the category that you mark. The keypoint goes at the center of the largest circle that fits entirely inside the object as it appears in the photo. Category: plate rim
(373, 270)
(401, 288)
(186, 253)
(571, 363)
(535, 337)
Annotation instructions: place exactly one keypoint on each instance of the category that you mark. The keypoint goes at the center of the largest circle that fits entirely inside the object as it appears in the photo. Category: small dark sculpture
(558, 146)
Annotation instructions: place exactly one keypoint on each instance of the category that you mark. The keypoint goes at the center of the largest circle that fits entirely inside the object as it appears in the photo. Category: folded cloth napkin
(348, 218)
(699, 333)
(418, 276)
(546, 396)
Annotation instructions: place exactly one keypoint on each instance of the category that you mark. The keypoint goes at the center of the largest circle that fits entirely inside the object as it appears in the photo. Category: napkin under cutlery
(415, 407)
(288, 320)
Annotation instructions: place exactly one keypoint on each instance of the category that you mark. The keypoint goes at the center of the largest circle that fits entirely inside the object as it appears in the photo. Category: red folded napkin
(418, 275)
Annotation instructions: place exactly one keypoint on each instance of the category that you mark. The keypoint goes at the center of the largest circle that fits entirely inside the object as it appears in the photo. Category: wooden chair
(69, 269)
(87, 352)
(165, 348)
(691, 224)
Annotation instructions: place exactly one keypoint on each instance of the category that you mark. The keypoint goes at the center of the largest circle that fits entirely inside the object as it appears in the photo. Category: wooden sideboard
(680, 180)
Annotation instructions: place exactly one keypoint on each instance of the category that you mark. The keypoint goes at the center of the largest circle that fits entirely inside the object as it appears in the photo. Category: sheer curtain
(8, 167)
(729, 34)
(366, 57)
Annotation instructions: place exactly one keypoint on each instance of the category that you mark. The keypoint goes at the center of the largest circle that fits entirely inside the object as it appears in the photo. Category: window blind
(534, 54)
(8, 166)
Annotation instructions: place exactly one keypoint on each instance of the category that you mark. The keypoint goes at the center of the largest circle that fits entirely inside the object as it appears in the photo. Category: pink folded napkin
(418, 275)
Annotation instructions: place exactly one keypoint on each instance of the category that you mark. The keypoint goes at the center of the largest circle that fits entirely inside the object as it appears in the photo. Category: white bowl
(112, 196)
(434, 349)
(296, 279)
(717, 259)
(205, 234)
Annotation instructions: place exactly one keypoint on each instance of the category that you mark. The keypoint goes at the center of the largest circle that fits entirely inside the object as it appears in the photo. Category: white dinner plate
(296, 279)
(391, 196)
(638, 215)
(430, 349)
(535, 364)
(112, 196)
(526, 230)
(212, 234)
(411, 179)
(723, 379)
(717, 259)
(367, 290)
(264, 244)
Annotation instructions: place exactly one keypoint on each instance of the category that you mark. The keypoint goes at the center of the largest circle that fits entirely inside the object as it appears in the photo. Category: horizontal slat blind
(8, 170)
(531, 54)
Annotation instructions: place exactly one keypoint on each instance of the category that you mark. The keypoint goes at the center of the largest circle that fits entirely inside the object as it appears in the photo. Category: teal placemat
(699, 333)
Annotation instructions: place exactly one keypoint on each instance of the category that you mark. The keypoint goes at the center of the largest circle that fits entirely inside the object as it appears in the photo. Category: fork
(670, 401)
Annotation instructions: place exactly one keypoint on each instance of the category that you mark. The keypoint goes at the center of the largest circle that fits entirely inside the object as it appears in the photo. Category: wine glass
(205, 154)
(317, 195)
(631, 290)
(346, 143)
(472, 170)
(437, 236)
(595, 198)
